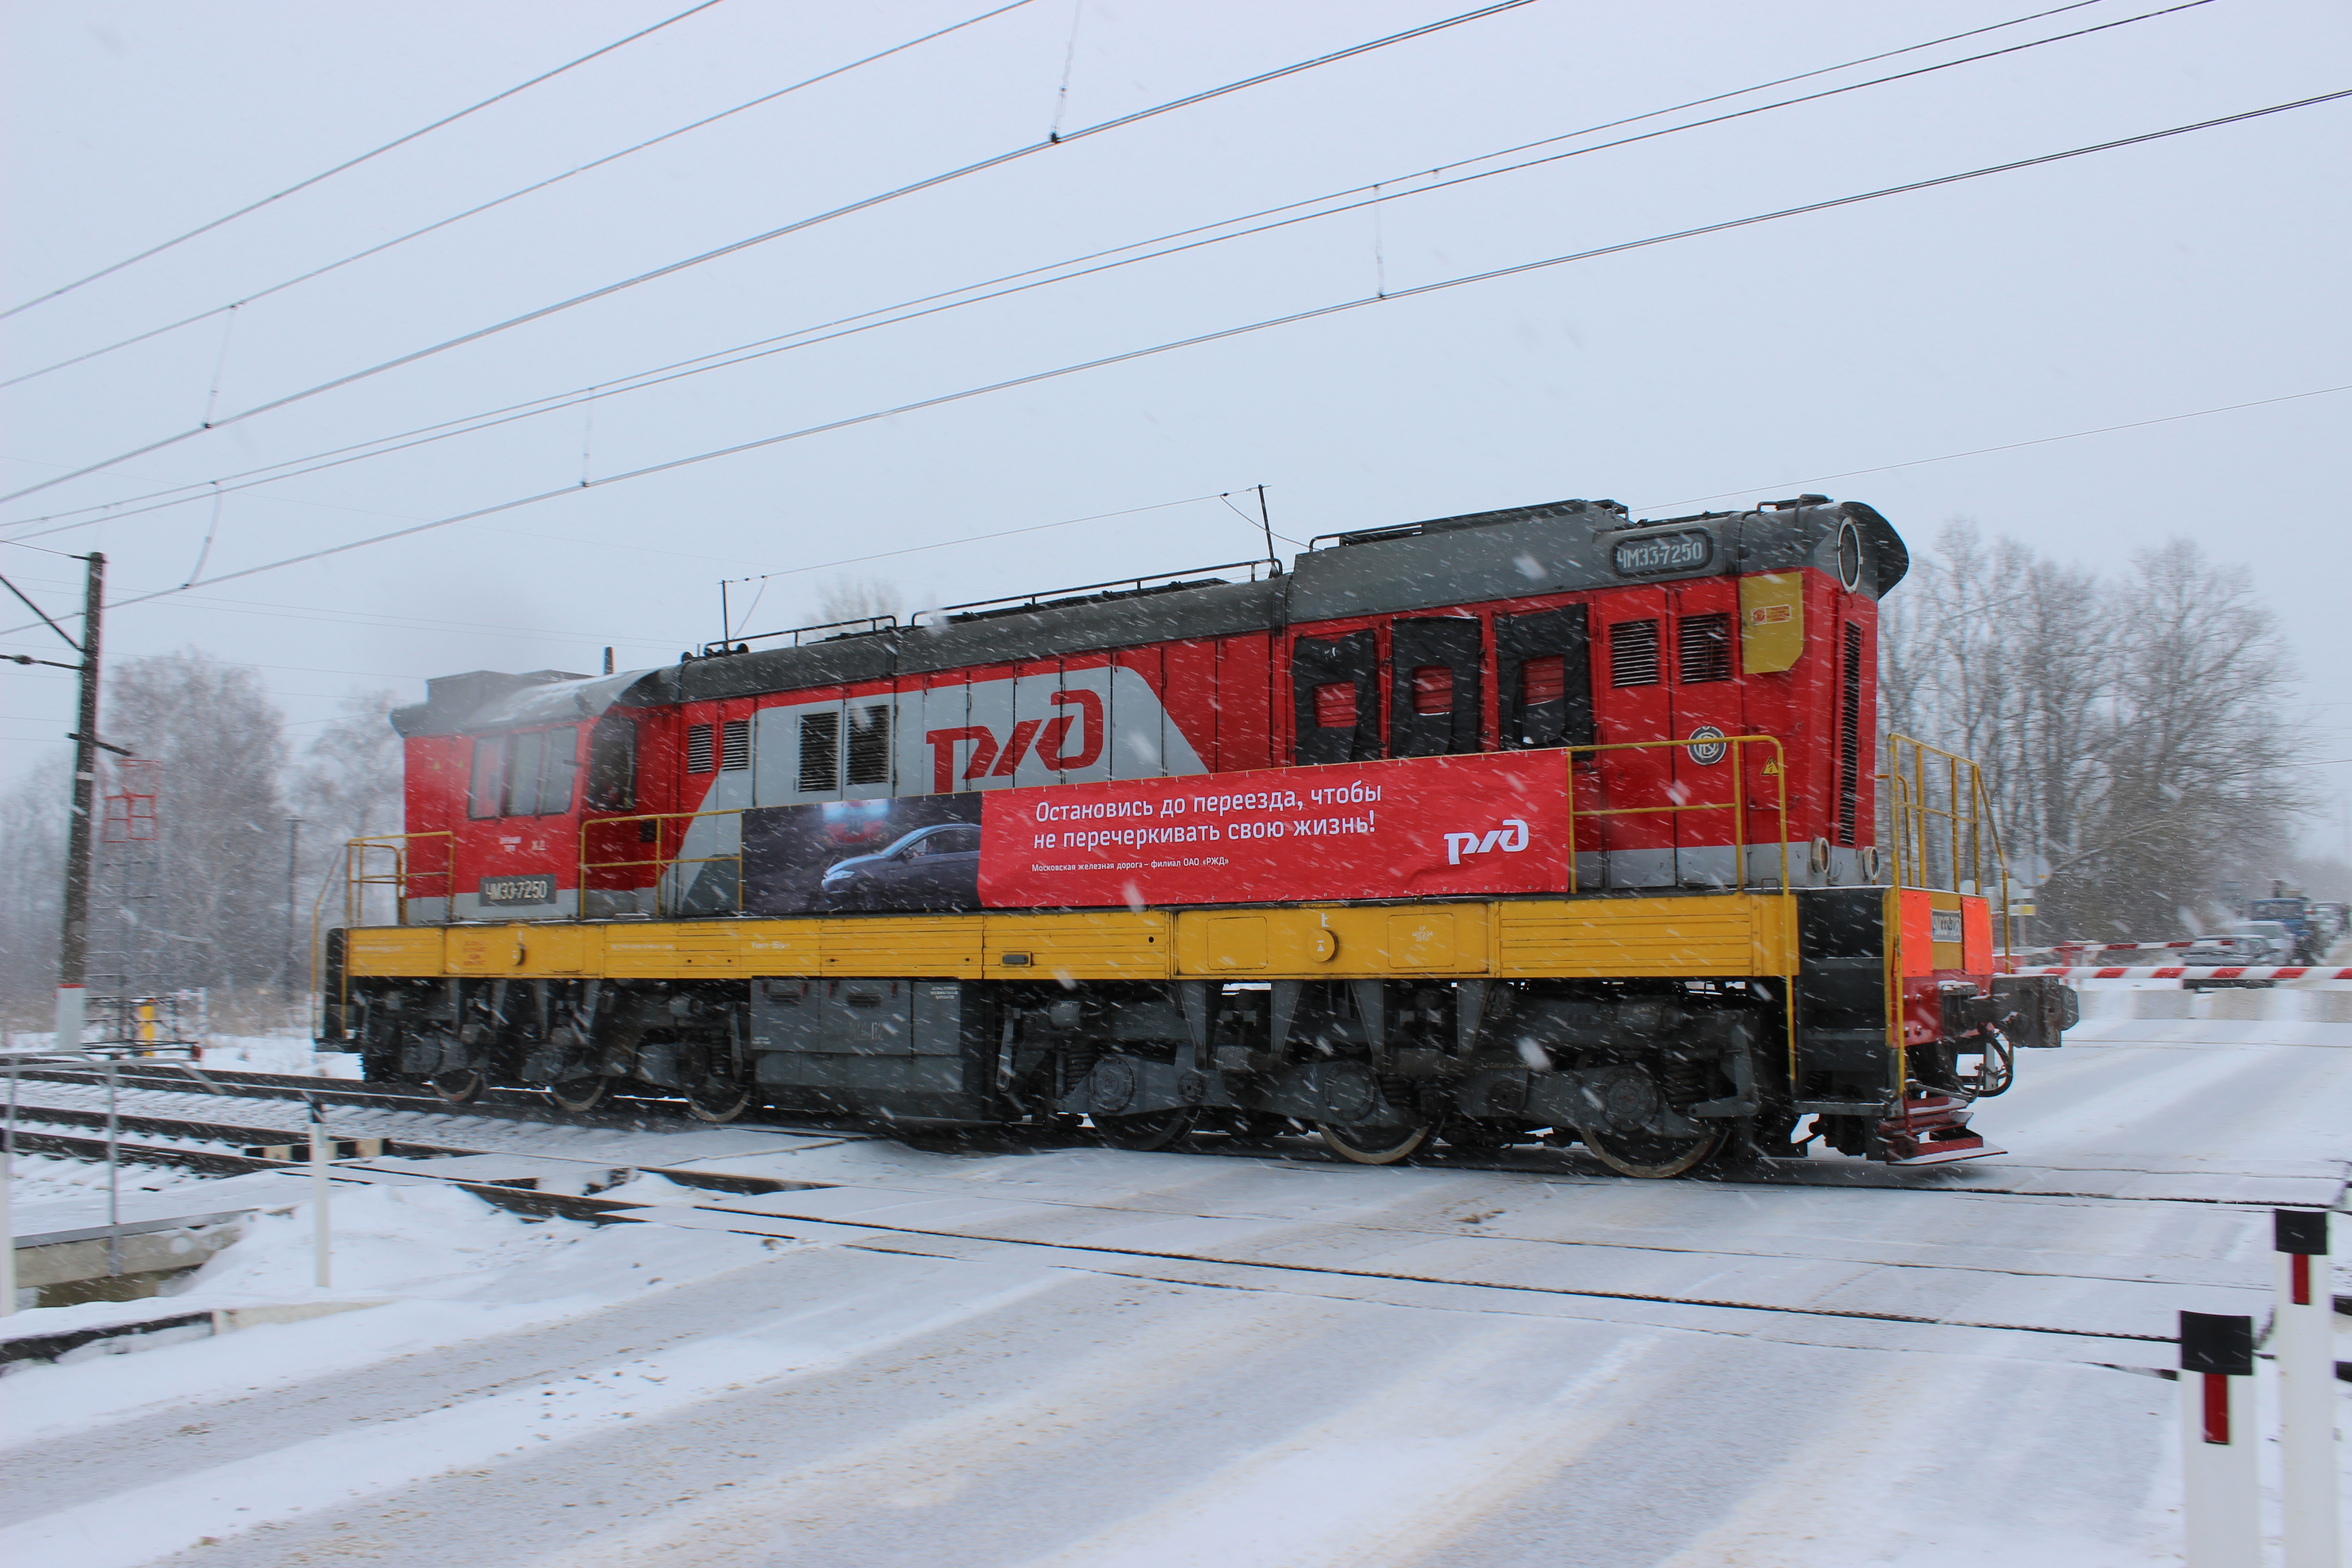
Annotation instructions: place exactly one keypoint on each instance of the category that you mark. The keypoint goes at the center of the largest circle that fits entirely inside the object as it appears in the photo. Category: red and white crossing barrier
(2302, 1339)
(2221, 1505)
(2188, 972)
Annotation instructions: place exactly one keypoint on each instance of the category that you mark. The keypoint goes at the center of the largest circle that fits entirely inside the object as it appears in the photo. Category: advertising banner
(1417, 828)
(913, 853)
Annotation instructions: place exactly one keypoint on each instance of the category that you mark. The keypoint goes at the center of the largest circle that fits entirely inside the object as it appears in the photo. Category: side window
(1335, 697)
(558, 759)
(613, 765)
(1435, 703)
(1543, 672)
(522, 773)
(487, 788)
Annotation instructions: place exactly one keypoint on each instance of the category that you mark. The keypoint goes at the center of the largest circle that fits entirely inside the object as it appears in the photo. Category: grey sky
(2157, 281)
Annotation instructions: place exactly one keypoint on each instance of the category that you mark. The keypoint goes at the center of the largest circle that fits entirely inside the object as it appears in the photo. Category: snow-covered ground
(1076, 1356)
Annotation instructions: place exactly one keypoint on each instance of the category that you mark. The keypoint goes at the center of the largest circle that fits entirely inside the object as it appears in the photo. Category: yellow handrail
(661, 862)
(1778, 770)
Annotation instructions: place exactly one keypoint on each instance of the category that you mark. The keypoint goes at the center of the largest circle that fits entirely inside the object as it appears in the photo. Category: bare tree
(347, 786)
(32, 874)
(219, 900)
(2130, 731)
(859, 598)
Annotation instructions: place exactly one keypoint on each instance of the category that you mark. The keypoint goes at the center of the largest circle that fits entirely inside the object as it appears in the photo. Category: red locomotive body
(1542, 627)
(1606, 786)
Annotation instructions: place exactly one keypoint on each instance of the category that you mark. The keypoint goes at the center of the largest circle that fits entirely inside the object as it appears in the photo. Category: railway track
(655, 1116)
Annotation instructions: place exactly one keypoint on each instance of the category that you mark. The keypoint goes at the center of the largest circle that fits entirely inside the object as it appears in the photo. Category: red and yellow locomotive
(1542, 822)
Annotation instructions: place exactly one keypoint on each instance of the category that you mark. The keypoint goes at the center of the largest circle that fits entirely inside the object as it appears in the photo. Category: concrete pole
(7, 1218)
(2301, 1337)
(321, 1230)
(2220, 1505)
(73, 945)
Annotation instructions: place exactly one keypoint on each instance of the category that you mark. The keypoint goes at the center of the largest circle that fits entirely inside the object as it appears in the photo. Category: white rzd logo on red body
(1510, 838)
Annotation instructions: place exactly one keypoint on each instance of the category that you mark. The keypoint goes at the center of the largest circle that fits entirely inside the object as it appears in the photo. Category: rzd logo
(1510, 838)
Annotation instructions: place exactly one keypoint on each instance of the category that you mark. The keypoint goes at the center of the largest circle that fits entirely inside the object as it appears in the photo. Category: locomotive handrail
(1967, 817)
(1778, 770)
(359, 874)
(660, 862)
(1911, 819)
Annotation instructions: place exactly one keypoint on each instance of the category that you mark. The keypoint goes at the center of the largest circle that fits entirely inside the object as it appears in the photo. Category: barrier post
(2301, 1337)
(322, 1232)
(2219, 1512)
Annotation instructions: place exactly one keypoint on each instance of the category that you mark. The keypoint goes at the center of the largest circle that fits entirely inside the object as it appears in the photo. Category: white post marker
(2301, 1338)
(2220, 1507)
(322, 1233)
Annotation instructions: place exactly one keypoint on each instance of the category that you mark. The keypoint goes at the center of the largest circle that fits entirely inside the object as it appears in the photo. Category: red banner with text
(1415, 827)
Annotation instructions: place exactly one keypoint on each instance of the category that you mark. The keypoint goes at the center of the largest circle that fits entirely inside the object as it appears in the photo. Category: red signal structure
(130, 815)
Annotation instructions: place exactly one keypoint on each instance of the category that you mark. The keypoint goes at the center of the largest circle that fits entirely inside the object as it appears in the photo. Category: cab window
(524, 774)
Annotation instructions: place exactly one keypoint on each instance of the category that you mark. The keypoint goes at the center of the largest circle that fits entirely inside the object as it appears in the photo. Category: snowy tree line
(206, 902)
(2132, 724)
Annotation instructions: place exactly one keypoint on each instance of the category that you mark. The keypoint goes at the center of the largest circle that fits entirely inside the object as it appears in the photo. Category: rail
(668, 888)
(1736, 751)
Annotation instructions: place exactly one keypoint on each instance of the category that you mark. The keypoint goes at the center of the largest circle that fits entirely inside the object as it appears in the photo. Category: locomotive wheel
(461, 1086)
(1372, 1145)
(718, 1099)
(1648, 1154)
(579, 1094)
(1154, 1129)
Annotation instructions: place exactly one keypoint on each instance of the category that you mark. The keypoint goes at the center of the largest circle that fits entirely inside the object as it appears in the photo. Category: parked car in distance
(931, 868)
(2277, 938)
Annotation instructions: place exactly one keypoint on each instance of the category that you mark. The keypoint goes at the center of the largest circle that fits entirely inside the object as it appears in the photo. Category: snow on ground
(48, 1178)
(1075, 1356)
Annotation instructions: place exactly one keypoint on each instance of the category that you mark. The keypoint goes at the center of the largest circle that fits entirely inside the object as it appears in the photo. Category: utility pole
(73, 945)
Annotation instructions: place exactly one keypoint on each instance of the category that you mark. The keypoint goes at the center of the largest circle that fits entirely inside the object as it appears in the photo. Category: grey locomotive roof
(1434, 565)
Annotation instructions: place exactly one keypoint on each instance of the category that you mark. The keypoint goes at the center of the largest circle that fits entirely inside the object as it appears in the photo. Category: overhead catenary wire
(476, 211)
(1226, 333)
(2005, 447)
(1060, 273)
(350, 164)
(733, 246)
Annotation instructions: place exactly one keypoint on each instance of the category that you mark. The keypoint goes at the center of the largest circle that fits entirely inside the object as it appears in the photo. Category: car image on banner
(916, 854)
(930, 868)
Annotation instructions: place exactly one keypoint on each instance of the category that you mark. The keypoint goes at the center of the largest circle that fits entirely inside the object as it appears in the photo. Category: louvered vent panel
(735, 745)
(869, 744)
(697, 748)
(819, 752)
(1850, 734)
(1704, 645)
(1633, 653)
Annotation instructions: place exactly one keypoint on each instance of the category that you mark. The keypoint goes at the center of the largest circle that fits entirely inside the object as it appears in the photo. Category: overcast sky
(2158, 281)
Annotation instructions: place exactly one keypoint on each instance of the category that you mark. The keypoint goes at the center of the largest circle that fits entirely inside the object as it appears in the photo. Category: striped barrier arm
(2188, 972)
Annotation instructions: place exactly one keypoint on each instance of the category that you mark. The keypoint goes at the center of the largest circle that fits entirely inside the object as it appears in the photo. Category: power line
(1223, 334)
(2009, 446)
(930, 304)
(354, 162)
(862, 205)
(379, 249)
